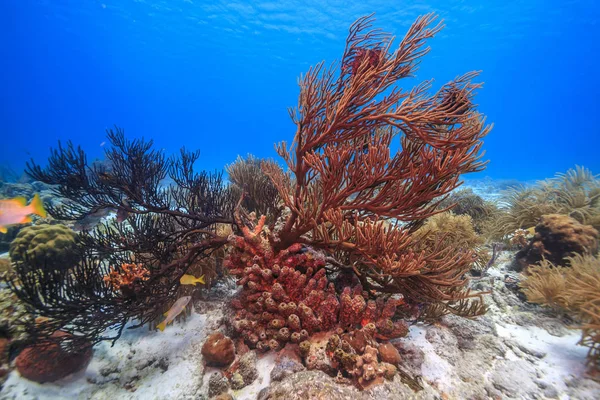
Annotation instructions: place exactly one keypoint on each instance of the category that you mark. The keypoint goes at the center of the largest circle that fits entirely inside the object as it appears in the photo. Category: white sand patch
(435, 370)
(264, 366)
(564, 358)
(141, 365)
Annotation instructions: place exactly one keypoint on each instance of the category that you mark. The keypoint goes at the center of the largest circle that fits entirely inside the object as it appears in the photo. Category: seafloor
(516, 351)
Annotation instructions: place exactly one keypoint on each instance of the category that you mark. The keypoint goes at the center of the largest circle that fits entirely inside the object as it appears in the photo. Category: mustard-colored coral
(454, 231)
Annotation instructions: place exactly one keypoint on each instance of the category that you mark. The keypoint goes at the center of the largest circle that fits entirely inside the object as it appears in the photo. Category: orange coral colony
(128, 276)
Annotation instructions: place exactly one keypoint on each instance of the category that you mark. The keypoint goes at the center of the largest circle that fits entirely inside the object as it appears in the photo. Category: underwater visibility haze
(301, 199)
(219, 76)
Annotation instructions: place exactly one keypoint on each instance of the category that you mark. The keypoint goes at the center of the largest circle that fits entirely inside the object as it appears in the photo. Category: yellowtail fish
(16, 211)
(174, 311)
(191, 280)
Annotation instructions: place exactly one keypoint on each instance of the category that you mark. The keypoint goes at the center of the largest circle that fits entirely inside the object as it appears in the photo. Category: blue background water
(219, 76)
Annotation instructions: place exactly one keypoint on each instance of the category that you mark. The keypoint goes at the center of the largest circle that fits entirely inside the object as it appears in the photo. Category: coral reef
(342, 253)
(54, 246)
(575, 193)
(557, 237)
(353, 356)
(49, 362)
(346, 256)
(287, 297)
(166, 228)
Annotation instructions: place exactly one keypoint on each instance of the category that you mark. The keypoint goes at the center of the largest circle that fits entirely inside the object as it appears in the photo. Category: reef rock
(218, 350)
(244, 371)
(287, 363)
(49, 362)
(217, 384)
(389, 354)
(557, 237)
(316, 385)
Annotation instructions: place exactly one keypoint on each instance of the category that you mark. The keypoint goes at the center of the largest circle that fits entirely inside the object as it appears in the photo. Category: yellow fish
(16, 211)
(191, 280)
(531, 230)
(174, 311)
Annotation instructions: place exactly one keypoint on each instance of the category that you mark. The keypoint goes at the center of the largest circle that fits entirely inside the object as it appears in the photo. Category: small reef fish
(531, 230)
(16, 211)
(122, 214)
(174, 311)
(191, 280)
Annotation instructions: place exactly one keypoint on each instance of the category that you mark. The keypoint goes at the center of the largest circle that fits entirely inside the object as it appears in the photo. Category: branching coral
(247, 177)
(127, 277)
(343, 256)
(350, 190)
(166, 228)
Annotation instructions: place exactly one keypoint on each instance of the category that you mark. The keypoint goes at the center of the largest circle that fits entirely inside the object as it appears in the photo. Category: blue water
(219, 76)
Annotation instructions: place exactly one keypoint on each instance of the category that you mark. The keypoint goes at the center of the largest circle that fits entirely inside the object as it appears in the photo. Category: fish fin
(3, 229)
(201, 279)
(162, 326)
(38, 206)
(25, 220)
(21, 200)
